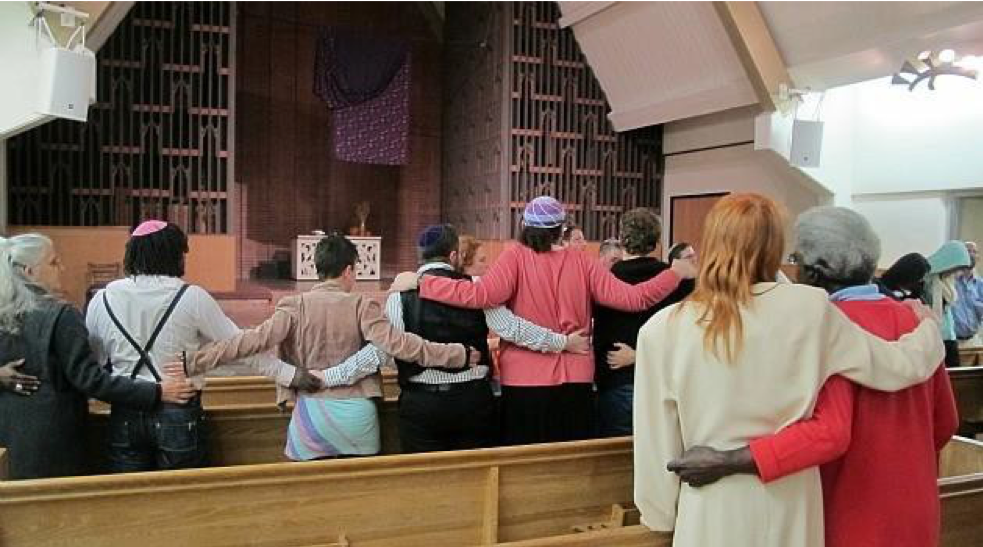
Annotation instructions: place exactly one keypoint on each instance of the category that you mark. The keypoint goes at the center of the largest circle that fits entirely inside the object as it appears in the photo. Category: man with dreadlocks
(139, 323)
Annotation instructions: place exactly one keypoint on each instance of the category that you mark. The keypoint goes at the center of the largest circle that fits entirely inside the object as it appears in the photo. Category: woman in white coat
(743, 357)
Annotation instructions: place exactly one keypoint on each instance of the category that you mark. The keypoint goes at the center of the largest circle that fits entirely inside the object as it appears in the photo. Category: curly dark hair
(640, 231)
(159, 253)
(540, 240)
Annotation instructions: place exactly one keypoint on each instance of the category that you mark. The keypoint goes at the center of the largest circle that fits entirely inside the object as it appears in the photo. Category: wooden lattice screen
(158, 143)
(525, 117)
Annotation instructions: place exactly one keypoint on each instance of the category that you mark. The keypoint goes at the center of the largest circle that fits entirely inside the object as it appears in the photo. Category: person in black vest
(615, 331)
(455, 409)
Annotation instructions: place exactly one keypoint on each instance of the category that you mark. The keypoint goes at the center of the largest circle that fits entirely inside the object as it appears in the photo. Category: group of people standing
(736, 386)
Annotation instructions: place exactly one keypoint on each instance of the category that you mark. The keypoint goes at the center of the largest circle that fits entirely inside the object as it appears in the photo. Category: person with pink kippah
(547, 397)
(140, 323)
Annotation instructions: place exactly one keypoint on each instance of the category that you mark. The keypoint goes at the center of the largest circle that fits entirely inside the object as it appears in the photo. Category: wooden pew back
(241, 434)
(962, 505)
(451, 498)
(967, 386)
(960, 457)
(971, 357)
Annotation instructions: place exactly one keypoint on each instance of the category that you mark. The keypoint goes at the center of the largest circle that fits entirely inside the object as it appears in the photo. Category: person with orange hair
(742, 357)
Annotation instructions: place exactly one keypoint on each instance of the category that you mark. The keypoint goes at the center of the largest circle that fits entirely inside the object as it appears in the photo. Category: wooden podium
(369, 257)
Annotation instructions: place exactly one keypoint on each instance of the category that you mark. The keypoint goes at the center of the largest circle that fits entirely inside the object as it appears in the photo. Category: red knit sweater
(878, 450)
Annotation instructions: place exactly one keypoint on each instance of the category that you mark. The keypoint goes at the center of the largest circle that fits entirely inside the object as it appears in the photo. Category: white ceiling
(659, 61)
(828, 44)
(664, 61)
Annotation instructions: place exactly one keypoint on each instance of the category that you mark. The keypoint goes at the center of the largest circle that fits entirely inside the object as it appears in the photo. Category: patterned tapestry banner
(377, 131)
(365, 81)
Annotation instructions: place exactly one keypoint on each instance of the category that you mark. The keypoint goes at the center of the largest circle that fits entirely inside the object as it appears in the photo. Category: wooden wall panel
(527, 117)
(210, 262)
(294, 184)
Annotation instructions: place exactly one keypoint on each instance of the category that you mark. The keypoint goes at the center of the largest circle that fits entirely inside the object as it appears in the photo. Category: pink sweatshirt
(554, 290)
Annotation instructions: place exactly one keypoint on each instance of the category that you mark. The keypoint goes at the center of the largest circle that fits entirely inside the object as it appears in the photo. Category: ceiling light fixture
(929, 66)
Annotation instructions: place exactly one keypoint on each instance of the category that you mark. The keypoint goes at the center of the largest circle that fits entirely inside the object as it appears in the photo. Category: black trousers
(460, 418)
(547, 414)
(951, 353)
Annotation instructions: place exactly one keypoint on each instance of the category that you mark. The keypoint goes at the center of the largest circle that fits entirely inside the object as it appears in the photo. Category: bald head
(971, 248)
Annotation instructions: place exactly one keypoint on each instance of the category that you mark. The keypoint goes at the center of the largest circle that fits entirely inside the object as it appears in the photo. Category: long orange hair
(742, 244)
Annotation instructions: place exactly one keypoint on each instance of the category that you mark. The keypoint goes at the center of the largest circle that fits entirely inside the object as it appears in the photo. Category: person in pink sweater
(548, 397)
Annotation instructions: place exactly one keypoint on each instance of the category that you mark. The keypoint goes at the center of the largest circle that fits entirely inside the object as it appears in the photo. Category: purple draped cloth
(365, 82)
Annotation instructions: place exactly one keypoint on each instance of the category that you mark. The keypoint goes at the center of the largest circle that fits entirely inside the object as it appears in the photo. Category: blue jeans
(614, 410)
(171, 437)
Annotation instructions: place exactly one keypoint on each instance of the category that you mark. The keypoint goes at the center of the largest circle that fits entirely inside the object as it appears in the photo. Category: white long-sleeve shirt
(139, 302)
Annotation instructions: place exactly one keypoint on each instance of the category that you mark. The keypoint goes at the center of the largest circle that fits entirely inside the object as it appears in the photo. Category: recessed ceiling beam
(756, 48)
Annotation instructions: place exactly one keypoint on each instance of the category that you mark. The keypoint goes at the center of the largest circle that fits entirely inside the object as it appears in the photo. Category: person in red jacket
(878, 451)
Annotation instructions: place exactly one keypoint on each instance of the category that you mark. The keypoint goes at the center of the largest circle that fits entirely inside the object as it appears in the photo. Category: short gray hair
(839, 243)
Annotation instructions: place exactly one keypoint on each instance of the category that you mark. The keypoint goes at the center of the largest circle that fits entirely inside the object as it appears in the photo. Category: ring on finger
(18, 387)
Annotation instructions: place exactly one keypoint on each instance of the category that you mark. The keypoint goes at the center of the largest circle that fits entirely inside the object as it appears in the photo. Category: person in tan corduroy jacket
(318, 330)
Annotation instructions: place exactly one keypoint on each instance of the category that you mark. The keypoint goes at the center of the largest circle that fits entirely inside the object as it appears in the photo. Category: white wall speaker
(807, 143)
(67, 83)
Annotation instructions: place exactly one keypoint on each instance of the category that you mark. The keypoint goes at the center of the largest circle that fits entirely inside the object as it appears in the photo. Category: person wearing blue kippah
(548, 397)
(441, 409)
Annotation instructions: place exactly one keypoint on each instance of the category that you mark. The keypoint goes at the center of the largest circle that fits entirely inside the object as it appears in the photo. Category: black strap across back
(144, 351)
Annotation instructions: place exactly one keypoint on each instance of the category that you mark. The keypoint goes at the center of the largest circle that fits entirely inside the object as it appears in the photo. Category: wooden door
(687, 214)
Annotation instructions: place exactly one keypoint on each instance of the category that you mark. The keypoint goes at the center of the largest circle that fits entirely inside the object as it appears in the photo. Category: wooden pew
(533, 496)
(242, 434)
(971, 357)
(480, 497)
(244, 425)
(967, 385)
(3, 463)
(260, 390)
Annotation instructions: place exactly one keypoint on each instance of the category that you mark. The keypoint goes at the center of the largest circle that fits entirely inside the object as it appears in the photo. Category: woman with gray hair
(852, 426)
(43, 409)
